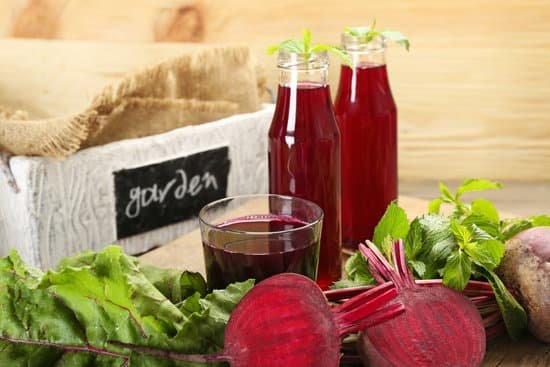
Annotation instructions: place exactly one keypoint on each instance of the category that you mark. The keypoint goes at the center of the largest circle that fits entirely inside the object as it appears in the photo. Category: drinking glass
(257, 236)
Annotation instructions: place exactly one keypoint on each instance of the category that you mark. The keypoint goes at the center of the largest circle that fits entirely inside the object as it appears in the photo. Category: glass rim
(289, 60)
(307, 225)
(358, 45)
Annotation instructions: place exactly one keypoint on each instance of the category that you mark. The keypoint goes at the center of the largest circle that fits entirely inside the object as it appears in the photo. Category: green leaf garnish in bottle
(305, 47)
(367, 34)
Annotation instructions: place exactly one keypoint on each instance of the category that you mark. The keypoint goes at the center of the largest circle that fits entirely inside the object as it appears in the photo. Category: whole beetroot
(525, 268)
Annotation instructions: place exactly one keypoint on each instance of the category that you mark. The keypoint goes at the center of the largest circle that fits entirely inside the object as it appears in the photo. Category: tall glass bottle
(367, 118)
(304, 149)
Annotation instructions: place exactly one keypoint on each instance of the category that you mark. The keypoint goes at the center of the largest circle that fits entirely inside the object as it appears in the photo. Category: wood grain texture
(54, 78)
(186, 253)
(472, 93)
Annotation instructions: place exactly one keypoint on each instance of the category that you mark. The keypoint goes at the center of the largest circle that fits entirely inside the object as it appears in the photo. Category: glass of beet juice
(257, 236)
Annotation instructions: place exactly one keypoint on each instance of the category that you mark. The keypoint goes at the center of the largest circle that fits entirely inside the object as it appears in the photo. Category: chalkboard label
(156, 195)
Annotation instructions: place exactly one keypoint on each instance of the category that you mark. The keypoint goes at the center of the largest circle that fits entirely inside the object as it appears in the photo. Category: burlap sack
(195, 88)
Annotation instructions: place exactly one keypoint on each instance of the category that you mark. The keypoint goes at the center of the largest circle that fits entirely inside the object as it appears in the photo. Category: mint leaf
(306, 38)
(290, 45)
(357, 269)
(367, 34)
(414, 243)
(306, 48)
(513, 313)
(481, 223)
(434, 206)
(540, 220)
(357, 31)
(485, 209)
(511, 227)
(461, 233)
(334, 50)
(419, 267)
(398, 38)
(458, 270)
(446, 195)
(394, 223)
(474, 184)
(346, 283)
(438, 238)
(486, 254)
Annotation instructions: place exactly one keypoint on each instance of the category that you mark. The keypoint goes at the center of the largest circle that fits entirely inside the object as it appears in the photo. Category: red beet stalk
(440, 327)
(480, 293)
(286, 320)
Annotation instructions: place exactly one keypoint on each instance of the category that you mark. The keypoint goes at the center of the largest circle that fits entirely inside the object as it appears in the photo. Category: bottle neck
(365, 52)
(296, 78)
(364, 59)
(303, 69)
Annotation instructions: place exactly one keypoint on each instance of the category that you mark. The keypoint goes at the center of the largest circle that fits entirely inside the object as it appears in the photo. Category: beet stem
(334, 295)
(401, 264)
(362, 297)
(363, 311)
(379, 262)
(200, 358)
(382, 315)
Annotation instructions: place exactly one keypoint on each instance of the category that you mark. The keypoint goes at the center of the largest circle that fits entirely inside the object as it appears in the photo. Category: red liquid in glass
(367, 118)
(304, 161)
(259, 257)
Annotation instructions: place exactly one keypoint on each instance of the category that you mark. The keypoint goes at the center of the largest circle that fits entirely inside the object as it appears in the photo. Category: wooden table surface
(186, 253)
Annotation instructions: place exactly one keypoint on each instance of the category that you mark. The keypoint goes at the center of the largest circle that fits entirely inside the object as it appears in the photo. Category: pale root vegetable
(286, 321)
(440, 327)
(525, 268)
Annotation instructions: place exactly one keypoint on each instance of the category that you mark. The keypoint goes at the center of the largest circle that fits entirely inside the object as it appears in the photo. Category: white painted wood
(68, 206)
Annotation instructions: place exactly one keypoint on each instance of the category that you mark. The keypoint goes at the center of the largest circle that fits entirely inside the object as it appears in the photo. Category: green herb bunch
(466, 244)
(367, 34)
(306, 48)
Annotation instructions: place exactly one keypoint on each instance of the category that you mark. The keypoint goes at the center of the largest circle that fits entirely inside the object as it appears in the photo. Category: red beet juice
(304, 161)
(367, 118)
(229, 260)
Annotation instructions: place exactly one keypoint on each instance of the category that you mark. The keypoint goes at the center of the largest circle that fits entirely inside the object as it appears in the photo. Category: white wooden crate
(68, 206)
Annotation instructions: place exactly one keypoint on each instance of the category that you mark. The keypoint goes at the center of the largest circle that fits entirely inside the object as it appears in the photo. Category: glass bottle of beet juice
(304, 149)
(367, 118)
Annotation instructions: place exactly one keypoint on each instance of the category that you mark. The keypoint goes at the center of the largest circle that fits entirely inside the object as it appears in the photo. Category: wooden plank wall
(473, 93)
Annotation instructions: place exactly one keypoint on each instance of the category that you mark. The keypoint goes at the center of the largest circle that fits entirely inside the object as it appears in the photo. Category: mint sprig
(306, 48)
(367, 34)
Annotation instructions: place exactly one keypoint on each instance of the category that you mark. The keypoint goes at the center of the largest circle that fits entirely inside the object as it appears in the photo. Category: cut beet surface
(440, 327)
(284, 321)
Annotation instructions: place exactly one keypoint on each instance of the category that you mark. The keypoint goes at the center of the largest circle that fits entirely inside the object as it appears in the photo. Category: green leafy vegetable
(513, 313)
(358, 273)
(475, 184)
(93, 305)
(306, 48)
(512, 227)
(458, 270)
(367, 34)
